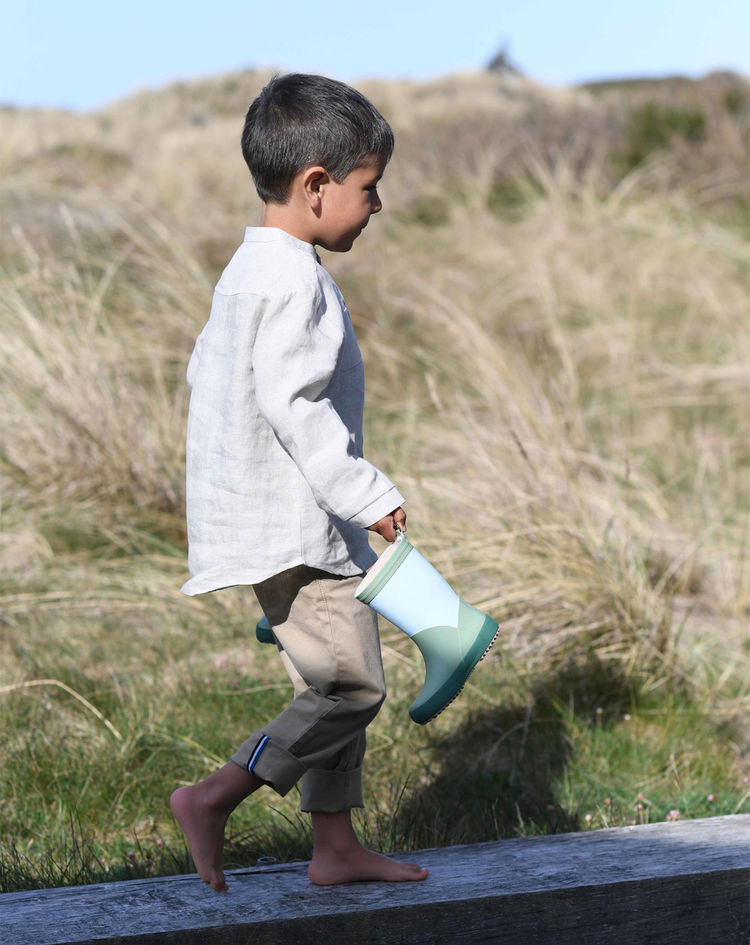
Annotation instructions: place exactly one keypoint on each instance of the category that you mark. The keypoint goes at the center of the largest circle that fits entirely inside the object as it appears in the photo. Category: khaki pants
(330, 647)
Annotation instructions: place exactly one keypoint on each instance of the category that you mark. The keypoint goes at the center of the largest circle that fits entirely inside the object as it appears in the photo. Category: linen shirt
(275, 472)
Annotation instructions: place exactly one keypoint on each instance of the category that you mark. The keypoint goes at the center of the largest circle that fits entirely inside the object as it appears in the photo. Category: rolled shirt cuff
(378, 509)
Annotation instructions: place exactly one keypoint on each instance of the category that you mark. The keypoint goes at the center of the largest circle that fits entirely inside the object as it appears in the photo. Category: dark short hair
(301, 121)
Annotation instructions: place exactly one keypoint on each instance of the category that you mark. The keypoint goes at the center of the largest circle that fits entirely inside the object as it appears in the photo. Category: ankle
(333, 833)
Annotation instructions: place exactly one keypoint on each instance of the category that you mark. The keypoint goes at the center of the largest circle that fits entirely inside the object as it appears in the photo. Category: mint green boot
(452, 636)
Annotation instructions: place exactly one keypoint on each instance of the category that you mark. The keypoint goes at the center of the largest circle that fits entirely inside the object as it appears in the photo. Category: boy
(279, 495)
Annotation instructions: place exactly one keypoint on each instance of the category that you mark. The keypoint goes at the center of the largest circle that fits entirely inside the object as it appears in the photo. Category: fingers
(386, 527)
(399, 518)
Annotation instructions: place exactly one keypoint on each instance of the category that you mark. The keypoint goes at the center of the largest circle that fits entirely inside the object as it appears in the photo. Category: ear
(314, 181)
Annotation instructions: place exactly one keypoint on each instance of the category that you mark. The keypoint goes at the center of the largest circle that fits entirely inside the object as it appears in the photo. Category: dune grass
(557, 359)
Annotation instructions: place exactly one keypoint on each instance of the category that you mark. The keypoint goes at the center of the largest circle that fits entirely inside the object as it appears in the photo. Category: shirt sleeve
(294, 362)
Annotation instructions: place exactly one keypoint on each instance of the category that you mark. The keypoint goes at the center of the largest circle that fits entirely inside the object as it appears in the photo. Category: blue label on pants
(257, 753)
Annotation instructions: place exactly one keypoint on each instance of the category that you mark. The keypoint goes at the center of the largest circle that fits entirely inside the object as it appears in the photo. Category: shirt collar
(272, 234)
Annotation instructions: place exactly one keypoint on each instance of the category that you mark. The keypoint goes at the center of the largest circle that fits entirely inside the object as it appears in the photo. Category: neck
(287, 218)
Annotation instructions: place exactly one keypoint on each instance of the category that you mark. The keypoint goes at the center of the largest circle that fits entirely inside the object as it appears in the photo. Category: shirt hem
(207, 582)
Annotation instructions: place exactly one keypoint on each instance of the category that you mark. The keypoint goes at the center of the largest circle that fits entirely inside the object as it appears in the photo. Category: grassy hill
(553, 310)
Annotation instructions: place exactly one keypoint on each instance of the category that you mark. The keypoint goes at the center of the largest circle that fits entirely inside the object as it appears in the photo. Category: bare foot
(361, 866)
(204, 831)
(202, 810)
(339, 857)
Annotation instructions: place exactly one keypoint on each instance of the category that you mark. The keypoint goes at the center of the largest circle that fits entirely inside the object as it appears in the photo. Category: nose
(376, 204)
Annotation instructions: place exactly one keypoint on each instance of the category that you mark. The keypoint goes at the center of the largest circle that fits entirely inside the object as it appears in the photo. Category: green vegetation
(86, 777)
(557, 379)
(735, 100)
(510, 198)
(652, 127)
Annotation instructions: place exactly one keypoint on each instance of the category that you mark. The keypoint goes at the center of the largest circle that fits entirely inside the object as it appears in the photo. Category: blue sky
(84, 53)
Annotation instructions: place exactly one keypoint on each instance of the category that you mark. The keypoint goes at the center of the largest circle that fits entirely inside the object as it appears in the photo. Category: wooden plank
(659, 884)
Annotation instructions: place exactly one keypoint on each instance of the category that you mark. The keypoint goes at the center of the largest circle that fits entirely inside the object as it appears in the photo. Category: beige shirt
(275, 473)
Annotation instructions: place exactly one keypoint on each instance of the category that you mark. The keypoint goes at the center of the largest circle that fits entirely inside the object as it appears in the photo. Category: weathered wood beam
(684, 883)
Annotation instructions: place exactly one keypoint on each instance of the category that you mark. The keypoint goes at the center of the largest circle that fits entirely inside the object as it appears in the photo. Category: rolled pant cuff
(331, 791)
(272, 764)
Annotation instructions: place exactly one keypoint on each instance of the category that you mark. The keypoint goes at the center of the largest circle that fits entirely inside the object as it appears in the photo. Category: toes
(217, 883)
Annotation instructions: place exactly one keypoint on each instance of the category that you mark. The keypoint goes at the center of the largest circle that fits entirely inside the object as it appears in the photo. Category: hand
(386, 527)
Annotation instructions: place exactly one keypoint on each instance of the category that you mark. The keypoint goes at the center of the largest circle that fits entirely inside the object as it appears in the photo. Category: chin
(342, 246)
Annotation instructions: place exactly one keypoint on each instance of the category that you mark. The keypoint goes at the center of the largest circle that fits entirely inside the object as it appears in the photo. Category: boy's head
(299, 121)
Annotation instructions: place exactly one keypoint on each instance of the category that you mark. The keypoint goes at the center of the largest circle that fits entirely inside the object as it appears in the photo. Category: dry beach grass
(558, 354)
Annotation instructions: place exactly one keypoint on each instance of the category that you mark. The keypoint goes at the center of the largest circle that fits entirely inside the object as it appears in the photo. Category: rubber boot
(263, 631)
(452, 635)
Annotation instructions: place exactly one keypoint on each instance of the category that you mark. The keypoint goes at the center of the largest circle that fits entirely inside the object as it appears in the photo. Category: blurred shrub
(652, 127)
(510, 196)
(735, 101)
(76, 163)
(429, 212)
